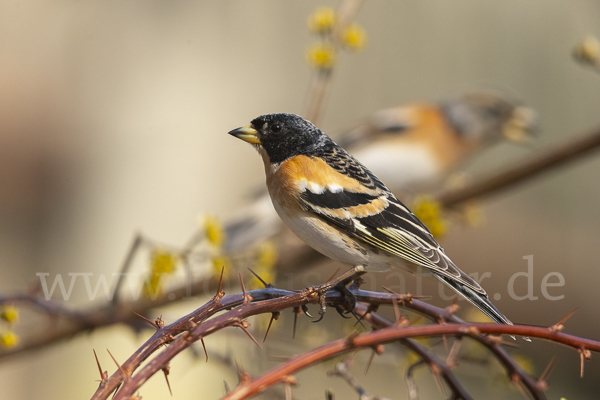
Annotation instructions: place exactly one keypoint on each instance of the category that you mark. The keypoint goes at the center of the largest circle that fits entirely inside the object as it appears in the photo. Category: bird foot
(339, 284)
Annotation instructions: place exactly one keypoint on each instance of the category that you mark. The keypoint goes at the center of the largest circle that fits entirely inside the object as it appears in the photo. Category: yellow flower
(163, 261)
(321, 56)
(588, 50)
(354, 37)
(9, 339)
(429, 212)
(10, 314)
(322, 20)
(215, 234)
(221, 263)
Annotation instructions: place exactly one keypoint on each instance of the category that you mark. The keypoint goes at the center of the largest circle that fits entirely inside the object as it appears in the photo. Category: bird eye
(276, 128)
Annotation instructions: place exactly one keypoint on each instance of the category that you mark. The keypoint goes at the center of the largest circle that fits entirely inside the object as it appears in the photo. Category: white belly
(334, 244)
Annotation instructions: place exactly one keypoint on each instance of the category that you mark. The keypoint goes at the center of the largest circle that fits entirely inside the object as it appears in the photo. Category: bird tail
(479, 300)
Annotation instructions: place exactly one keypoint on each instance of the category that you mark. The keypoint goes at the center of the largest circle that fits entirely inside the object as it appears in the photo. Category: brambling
(427, 141)
(341, 209)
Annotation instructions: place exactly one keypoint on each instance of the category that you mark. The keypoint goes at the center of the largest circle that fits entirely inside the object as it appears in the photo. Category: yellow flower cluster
(429, 212)
(9, 314)
(215, 234)
(9, 339)
(323, 22)
(321, 56)
(354, 37)
(162, 263)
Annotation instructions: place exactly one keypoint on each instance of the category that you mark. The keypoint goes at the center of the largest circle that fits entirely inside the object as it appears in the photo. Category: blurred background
(114, 118)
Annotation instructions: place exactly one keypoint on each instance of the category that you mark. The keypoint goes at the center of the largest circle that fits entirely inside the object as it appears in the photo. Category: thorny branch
(196, 326)
(395, 333)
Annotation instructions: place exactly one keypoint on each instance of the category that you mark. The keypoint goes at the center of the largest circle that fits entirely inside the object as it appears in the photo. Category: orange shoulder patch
(302, 171)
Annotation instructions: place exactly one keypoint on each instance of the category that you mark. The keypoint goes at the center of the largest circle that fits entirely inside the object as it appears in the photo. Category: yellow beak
(247, 134)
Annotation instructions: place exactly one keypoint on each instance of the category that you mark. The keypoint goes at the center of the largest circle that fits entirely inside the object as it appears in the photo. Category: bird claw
(341, 309)
(323, 308)
(305, 311)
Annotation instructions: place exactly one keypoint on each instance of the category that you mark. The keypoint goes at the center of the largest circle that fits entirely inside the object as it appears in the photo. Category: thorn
(119, 366)
(370, 361)
(204, 347)
(103, 375)
(226, 386)
(274, 316)
(166, 370)
(242, 375)
(296, 312)
(288, 391)
(445, 342)
(544, 377)
(219, 292)
(243, 288)
(154, 324)
(243, 325)
(451, 359)
(288, 382)
(435, 371)
(358, 319)
(265, 284)
(584, 354)
(454, 300)
(116, 390)
(453, 307)
(397, 314)
(517, 382)
(560, 324)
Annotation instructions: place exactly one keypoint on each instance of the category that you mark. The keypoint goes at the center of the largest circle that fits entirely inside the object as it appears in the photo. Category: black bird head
(282, 136)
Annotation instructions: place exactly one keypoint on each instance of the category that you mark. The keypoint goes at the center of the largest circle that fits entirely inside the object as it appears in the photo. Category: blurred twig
(341, 370)
(322, 77)
(545, 160)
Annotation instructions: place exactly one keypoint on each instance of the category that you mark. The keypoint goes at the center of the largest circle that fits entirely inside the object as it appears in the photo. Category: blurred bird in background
(410, 148)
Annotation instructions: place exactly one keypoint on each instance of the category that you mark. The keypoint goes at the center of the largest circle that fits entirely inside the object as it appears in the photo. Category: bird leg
(339, 283)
